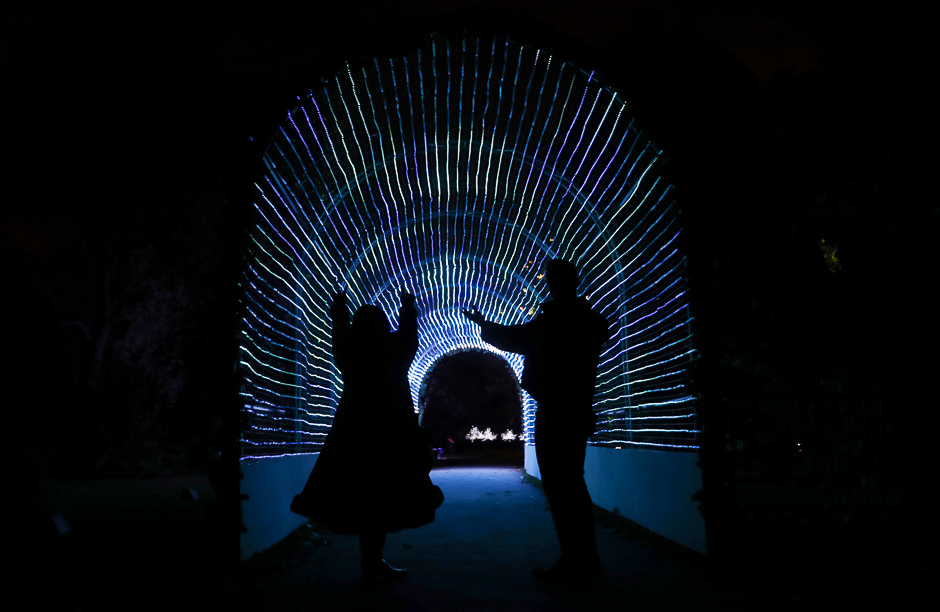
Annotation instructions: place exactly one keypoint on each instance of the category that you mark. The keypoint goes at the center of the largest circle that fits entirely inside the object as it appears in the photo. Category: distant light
(829, 255)
(476, 434)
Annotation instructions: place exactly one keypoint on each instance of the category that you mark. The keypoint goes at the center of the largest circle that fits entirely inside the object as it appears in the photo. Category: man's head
(562, 278)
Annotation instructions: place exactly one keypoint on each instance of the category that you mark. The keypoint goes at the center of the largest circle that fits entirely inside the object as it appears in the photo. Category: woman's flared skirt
(363, 483)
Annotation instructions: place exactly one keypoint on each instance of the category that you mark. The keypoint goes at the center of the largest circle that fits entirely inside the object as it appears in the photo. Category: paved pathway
(135, 545)
(491, 531)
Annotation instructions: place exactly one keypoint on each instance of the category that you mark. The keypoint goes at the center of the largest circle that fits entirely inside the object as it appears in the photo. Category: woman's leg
(371, 545)
(373, 565)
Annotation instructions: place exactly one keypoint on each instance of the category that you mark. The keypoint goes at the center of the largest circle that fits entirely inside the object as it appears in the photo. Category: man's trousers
(560, 449)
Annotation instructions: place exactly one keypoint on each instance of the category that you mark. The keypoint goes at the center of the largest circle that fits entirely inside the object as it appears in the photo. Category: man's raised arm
(509, 338)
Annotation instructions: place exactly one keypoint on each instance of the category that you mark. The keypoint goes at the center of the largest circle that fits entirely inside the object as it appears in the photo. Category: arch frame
(300, 216)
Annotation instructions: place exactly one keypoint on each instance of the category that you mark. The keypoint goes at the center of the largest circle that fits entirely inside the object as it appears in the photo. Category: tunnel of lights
(453, 174)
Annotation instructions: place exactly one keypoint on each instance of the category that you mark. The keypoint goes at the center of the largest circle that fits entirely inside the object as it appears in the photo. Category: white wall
(652, 488)
(271, 485)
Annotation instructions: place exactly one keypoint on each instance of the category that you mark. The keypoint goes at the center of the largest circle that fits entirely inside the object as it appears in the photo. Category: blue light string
(454, 174)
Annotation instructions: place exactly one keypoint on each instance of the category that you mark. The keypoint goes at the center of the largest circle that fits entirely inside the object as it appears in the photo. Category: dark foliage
(467, 389)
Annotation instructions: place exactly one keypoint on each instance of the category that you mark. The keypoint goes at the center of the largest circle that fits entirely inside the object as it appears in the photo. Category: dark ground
(135, 543)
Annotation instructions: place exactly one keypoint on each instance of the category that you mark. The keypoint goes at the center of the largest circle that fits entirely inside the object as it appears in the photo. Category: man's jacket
(562, 347)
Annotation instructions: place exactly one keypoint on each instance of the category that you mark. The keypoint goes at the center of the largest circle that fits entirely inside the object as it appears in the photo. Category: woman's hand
(474, 315)
(339, 299)
(407, 299)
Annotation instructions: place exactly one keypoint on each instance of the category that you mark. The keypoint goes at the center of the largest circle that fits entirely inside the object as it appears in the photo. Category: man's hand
(474, 315)
(407, 299)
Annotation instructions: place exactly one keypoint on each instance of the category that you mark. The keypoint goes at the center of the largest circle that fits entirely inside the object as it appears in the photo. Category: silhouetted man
(562, 346)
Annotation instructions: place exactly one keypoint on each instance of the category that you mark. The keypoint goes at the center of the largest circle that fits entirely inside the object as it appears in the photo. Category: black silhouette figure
(371, 477)
(562, 346)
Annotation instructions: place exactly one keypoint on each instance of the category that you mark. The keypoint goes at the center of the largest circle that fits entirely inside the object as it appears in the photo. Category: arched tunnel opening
(471, 404)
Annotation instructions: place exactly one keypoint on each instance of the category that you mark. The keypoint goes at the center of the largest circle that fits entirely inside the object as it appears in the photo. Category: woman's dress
(372, 472)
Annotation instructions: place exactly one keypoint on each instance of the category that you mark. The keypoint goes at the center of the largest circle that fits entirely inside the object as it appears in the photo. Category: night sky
(132, 137)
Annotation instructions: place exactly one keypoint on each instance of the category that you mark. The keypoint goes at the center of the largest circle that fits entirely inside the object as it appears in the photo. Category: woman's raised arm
(339, 313)
(408, 323)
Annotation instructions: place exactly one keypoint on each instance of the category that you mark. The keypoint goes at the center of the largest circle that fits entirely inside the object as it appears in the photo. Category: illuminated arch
(454, 173)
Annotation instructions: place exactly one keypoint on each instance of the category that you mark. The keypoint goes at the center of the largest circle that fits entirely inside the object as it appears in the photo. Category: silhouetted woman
(371, 477)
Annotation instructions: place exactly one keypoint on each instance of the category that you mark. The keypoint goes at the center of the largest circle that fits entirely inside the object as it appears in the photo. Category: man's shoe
(299, 506)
